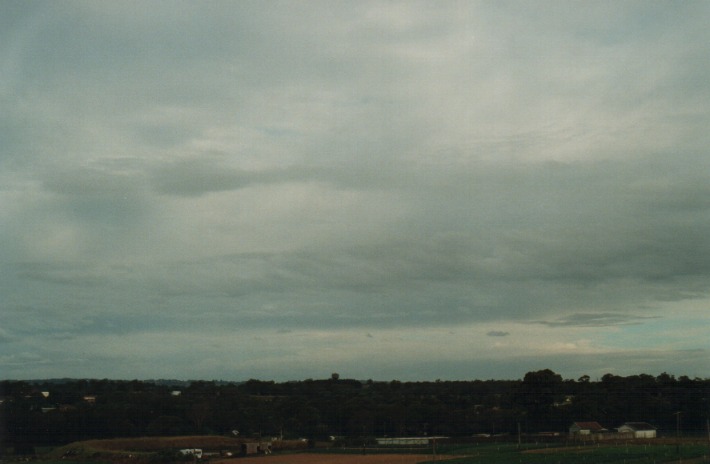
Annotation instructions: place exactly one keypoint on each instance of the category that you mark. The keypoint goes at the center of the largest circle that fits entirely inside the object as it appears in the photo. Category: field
(650, 452)
(143, 451)
(332, 458)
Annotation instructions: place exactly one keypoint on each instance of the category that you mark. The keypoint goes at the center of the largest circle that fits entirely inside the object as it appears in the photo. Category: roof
(639, 426)
(593, 426)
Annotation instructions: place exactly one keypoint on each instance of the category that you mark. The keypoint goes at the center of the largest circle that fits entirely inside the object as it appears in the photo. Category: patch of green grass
(589, 454)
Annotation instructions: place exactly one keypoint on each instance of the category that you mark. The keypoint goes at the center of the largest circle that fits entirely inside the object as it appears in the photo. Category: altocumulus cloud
(251, 189)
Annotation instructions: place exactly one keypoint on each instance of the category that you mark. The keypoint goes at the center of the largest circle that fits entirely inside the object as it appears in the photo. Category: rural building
(255, 448)
(638, 430)
(566, 402)
(408, 440)
(586, 428)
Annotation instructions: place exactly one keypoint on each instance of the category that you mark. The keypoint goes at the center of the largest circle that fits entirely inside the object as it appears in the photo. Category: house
(567, 401)
(586, 428)
(408, 440)
(638, 430)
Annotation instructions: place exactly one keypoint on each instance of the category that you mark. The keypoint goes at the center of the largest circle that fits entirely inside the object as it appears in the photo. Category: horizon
(330, 378)
(394, 190)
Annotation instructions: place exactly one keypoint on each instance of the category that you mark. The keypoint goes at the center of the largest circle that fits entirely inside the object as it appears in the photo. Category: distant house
(638, 430)
(567, 401)
(408, 440)
(586, 428)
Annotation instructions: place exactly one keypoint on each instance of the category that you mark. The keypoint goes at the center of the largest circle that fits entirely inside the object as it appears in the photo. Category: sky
(412, 190)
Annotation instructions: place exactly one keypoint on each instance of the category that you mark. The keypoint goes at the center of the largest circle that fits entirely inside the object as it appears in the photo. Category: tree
(537, 394)
(198, 413)
(541, 387)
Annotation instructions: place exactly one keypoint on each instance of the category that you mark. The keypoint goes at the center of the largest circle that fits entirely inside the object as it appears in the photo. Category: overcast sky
(387, 190)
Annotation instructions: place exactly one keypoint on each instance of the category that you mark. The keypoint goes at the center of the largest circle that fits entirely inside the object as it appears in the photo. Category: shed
(586, 428)
(249, 448)
(638, 429)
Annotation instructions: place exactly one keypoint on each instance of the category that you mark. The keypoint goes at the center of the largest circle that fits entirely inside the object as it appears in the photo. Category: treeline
(53, 413)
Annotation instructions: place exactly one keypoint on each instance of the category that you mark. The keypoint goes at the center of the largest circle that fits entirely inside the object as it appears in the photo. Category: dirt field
(314, 458)
(149, 444)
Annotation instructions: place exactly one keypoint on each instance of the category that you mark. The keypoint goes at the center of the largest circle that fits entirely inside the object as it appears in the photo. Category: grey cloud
(116, 177)
(199, 176)
(633, 362)
(692, 362)
(5, 336)
(62, 273)
(14, 360)
(541, 260)
(597, 320)
(350, 165)
(572, 230)
(497, 333)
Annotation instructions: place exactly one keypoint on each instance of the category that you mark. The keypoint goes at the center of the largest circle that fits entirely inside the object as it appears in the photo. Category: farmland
(316, 458)
(618, 453)
(152, 450)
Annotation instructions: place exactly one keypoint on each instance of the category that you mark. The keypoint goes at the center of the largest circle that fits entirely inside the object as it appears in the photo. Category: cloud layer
(383, 189)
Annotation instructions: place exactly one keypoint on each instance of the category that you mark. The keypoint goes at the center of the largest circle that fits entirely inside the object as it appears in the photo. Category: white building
(638, 429)
(408, 440)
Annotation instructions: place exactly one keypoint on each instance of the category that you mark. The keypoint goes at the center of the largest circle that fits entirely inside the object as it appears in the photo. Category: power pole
(677, 434)
(518, 434)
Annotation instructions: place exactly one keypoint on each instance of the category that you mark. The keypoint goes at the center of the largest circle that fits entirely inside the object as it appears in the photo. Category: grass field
(624, 453)
(650, 452)
(632, 453)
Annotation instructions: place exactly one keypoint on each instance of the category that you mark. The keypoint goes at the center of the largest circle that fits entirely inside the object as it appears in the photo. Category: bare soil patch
(159, 443)
(316, 458)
